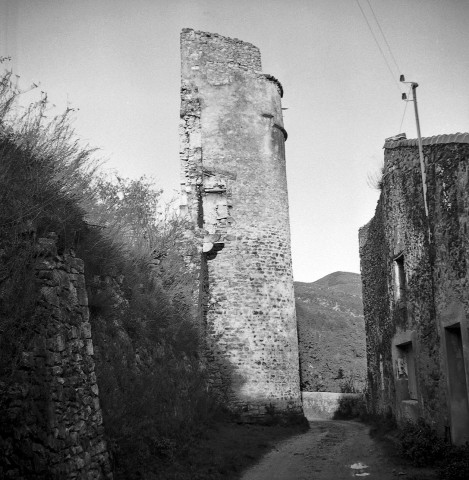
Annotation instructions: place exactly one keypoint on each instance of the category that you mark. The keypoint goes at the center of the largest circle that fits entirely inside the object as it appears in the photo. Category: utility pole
(431, 256)
(414, 86)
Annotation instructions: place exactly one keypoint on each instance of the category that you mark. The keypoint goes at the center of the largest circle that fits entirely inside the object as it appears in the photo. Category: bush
(350, 408)
(420, 443)
(152, 383)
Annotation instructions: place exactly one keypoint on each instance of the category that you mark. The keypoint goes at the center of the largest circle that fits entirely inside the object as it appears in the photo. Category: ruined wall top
(394, 142)
(210, 48)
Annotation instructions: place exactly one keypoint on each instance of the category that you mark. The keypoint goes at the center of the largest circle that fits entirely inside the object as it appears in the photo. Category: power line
(379, 46)
(384, 37)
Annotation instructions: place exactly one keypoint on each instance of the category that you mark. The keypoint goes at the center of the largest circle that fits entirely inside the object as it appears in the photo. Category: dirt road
(331, 450)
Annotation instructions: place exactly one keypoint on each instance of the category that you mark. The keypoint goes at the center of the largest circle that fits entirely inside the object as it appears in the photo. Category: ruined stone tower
(235, 195)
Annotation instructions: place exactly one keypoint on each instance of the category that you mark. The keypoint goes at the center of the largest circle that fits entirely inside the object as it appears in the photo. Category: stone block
(86, 330)
(89, 347)
(50, 296)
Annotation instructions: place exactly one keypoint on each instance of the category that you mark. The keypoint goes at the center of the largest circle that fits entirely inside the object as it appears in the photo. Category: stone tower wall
(234, 180)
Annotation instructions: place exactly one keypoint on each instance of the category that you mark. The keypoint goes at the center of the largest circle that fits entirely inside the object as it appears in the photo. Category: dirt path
(331, 450)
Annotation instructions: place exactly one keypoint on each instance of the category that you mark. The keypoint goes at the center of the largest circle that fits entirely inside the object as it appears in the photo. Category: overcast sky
(118, 61)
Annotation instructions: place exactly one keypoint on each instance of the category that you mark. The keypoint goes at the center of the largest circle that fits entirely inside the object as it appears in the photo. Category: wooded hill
(331, 332)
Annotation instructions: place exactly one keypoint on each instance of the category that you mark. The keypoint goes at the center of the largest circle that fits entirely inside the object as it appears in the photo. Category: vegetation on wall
(43, 174)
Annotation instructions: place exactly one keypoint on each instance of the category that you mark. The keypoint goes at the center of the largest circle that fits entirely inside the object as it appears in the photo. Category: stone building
(235, 197)
(415, 273)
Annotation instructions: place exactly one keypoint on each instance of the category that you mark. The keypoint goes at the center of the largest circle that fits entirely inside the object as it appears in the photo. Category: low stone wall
(324, 405)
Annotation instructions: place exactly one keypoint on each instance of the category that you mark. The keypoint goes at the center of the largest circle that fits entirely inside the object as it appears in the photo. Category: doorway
(459, 406)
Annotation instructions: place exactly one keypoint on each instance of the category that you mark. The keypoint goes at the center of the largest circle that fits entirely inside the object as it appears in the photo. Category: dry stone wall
(416, 300)
(51, 416)
(235, 195)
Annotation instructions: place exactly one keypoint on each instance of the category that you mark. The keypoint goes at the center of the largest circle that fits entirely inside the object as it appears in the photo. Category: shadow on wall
(247, 363)
(228, 384)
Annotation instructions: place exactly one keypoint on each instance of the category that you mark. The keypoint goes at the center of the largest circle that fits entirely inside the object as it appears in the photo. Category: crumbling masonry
(415, 274)
(235, 195)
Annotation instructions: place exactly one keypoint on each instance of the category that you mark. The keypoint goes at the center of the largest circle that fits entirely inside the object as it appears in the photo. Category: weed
(375, 180)
(348, 384)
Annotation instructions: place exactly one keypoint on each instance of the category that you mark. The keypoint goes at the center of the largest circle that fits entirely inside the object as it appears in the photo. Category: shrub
(351, 407)
(375, 180)
(420, 443)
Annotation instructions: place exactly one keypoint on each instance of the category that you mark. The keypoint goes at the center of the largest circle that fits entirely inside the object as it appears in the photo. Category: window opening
(399, 278)
(406, 369)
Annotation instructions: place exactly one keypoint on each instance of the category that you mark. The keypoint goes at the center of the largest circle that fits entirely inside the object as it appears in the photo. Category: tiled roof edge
(437, 139)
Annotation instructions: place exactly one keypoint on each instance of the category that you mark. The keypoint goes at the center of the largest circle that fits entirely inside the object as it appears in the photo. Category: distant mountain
(331, 332)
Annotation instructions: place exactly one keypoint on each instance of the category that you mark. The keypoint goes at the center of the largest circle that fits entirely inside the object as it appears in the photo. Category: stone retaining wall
(51, 416)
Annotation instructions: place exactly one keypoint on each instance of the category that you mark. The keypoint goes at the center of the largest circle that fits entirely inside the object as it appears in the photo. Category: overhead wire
(393, 76)
(384, 36)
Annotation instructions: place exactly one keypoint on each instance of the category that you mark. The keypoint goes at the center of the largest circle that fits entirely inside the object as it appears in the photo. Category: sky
(118, 62)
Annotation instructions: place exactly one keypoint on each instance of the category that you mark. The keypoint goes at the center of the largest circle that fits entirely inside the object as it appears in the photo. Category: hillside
(331, 333)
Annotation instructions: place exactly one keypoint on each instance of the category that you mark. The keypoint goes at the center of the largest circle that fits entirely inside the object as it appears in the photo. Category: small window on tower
(399, 278)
